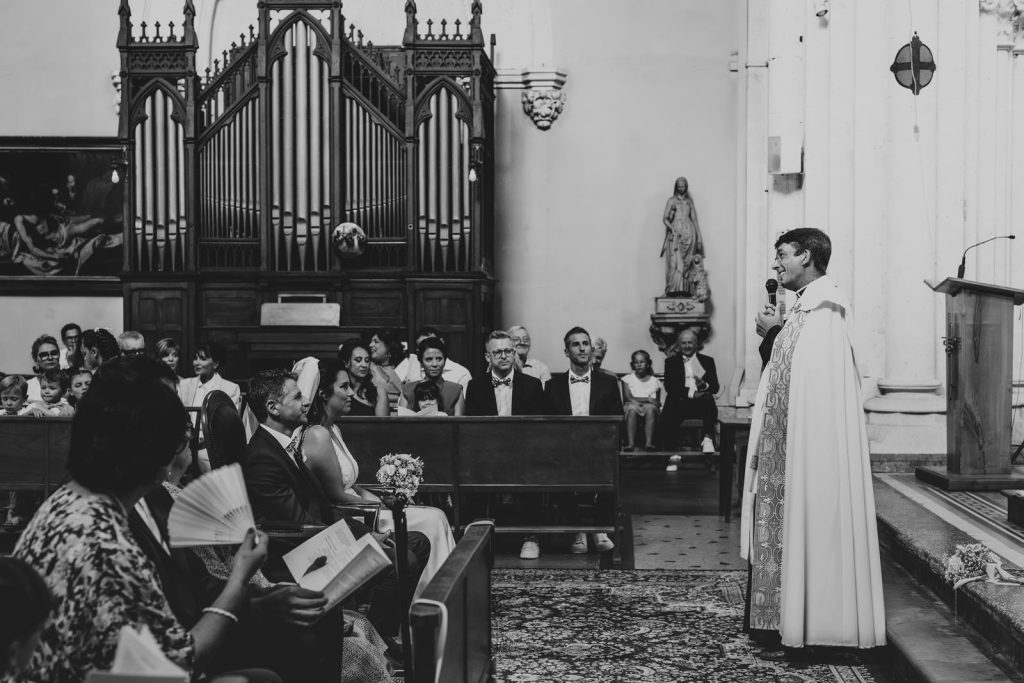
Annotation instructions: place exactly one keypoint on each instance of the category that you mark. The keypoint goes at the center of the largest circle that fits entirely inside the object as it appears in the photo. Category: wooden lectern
(979, 387)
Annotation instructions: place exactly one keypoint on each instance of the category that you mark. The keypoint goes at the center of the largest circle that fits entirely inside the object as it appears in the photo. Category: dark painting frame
(61, 215)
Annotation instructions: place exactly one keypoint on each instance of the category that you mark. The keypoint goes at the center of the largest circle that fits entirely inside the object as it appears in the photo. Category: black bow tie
(573, 379)
(507, 382)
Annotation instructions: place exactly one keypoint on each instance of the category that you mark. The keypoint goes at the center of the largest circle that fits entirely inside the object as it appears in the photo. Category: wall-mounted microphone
(772, 286)
(963, 259)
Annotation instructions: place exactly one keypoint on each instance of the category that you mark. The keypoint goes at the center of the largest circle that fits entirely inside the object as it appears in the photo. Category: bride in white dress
(330, 461)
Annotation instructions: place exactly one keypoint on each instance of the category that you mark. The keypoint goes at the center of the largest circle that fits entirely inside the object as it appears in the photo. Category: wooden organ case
(238, 178)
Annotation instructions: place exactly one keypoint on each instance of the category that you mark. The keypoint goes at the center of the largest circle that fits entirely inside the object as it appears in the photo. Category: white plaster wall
(649, 98)
(28, 317)
(56, 59)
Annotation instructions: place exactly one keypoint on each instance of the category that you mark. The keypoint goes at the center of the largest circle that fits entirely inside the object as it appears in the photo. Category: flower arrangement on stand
(402, 472)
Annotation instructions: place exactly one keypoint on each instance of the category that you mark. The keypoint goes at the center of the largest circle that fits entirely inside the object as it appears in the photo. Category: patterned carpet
(654, 626)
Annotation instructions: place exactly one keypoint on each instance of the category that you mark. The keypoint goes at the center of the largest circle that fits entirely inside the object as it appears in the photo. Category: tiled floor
(686, 542)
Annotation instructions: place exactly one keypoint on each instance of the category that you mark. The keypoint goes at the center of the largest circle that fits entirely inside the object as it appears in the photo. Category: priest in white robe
(808, 526)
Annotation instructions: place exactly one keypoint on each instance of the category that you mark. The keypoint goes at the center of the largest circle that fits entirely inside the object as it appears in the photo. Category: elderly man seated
(691, 382)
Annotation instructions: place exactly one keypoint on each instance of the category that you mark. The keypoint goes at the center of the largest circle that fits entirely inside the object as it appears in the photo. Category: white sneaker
(530, 550)
(579, 544)
(673, 463)
(602, 543)
(707, 446)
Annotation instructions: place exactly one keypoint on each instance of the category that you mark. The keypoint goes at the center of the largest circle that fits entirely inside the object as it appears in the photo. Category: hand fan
(212, 510)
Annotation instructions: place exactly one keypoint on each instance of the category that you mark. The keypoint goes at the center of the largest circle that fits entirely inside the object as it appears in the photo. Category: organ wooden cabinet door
(159, 312)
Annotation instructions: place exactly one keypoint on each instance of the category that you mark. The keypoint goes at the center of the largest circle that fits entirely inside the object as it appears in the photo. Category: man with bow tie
(283, 489)
(502, 391)
(581, 392)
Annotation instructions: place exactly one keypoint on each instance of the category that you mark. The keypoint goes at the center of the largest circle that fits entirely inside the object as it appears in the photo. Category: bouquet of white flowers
(402, 472)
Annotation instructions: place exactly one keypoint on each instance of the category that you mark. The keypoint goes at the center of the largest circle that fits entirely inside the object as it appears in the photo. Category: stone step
(927, 642)
(976, 634)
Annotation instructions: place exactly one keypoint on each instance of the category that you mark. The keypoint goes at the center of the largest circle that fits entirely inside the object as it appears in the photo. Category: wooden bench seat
(451, 620)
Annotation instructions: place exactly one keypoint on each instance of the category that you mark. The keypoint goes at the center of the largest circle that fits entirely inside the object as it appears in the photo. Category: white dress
(429, 521)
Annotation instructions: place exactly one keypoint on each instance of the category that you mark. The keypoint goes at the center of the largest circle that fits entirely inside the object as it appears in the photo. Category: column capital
(1008, 19)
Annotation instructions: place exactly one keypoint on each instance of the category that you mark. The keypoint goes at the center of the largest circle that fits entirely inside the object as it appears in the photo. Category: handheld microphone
(772, 286)
(963, 259)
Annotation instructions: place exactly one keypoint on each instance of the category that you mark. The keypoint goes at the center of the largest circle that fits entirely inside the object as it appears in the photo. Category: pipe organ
(239, 175)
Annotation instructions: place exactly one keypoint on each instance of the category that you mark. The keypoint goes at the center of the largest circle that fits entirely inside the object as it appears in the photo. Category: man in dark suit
(281, 487)
(502, 391)
(581, 391)
(691, 382)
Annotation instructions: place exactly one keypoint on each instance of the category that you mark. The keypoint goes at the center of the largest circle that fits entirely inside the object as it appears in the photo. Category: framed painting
(61, 213)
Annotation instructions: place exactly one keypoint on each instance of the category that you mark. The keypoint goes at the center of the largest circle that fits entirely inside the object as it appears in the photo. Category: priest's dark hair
(128, 426)
(812, 240)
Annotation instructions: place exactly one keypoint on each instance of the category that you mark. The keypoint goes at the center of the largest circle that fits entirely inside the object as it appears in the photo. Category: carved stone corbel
(543, 105)
(542, 98)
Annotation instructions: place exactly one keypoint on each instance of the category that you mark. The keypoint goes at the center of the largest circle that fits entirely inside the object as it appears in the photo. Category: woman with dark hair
(371, 396)
(433, 354)
(386, 351)
(45, 356)
(26, 601)
(192, 391)
(333, 465)
(97, 347)
(128, 430)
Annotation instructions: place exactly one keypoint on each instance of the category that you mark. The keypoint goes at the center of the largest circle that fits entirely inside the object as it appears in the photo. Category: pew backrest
(451, 620)
(34, 452)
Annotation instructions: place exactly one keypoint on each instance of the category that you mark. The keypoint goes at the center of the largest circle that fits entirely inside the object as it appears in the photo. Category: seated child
(80, 382)
(428, 396)
(27, 602)
(13, 395)
(642, 400)
(53, 387)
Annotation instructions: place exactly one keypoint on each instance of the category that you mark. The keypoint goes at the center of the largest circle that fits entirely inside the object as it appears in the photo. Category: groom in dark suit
(502, 391)
(281, 487)
(582, 391)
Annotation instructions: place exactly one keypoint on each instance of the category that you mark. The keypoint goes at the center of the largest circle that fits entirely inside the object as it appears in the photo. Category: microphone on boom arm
(963, 259)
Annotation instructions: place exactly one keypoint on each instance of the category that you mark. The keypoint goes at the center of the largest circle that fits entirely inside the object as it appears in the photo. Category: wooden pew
(33, 453)
(451, 620)
(546, 454)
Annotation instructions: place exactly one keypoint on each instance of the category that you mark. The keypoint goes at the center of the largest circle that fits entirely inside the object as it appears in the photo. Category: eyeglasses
(48, 354)
(502, 352)
(134, 352)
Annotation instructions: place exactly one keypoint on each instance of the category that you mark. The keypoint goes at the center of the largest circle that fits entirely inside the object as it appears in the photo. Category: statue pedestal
(672, 315)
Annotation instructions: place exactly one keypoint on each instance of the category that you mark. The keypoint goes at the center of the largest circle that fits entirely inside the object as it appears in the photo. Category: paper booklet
(212, 510)
(139, 658)
(336, 563)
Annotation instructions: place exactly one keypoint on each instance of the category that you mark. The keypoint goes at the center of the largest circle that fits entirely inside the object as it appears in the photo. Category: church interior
(274, 178)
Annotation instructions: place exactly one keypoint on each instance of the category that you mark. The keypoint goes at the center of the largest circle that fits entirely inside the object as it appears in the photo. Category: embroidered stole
(766, 548)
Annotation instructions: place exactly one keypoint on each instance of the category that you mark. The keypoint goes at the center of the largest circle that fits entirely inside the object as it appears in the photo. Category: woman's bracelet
(221, 612)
